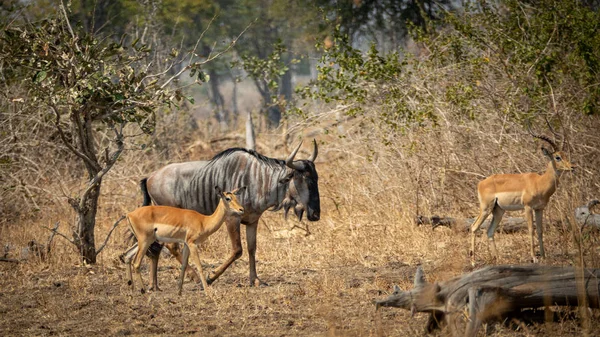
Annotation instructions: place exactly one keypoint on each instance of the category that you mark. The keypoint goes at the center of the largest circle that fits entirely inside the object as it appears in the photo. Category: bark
(217, 98)
(286, 80)
(493, 293)
(86, 222)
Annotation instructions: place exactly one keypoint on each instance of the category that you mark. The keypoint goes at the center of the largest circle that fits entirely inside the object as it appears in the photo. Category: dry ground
(320, 284)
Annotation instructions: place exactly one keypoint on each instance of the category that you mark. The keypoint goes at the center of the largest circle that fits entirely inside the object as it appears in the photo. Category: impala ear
(239, 190)
(219, 191)
(546, 152)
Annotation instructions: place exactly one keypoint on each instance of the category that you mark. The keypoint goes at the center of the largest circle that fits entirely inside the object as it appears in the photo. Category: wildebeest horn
(542, 137)
(315, 151)
(290, 159)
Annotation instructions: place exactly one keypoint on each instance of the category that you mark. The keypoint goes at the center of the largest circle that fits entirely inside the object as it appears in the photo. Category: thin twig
(55, 230)
(108, 235)
(52, 237)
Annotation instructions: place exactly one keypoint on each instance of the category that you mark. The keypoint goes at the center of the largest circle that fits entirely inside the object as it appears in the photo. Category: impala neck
(552, 176)
(215, 221)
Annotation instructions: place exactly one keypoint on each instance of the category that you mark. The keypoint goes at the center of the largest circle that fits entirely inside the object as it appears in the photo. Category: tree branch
(109, 233)
(56, 232)
(66, 142)
(99, 175)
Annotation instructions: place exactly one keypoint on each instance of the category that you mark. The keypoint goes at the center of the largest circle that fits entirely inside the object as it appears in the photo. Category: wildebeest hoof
(258, 283)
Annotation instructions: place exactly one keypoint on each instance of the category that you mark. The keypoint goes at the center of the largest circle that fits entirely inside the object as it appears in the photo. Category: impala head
(230, 200)
(303, 190)
(555, 154)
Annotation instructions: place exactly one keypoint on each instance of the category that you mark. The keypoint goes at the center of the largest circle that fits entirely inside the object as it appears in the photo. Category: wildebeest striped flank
(271, 184)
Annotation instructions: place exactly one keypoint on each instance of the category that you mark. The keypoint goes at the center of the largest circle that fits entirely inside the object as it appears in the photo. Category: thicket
(452, 107)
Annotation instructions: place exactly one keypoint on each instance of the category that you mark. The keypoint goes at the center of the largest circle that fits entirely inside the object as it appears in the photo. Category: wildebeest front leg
(233, 229)
(251, 239)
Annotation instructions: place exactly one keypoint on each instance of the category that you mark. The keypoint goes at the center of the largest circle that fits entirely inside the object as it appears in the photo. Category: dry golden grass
(321, 283)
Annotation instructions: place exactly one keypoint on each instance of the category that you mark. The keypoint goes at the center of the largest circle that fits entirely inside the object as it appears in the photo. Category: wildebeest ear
(239, 190)
(286, 179)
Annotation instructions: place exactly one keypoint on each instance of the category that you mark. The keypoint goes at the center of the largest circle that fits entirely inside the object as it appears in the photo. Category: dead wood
(583, 215)
(508, 225)
(493, 293)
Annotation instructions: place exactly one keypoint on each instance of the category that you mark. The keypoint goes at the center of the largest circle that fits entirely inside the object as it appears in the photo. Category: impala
(170, 224)
(510, 192)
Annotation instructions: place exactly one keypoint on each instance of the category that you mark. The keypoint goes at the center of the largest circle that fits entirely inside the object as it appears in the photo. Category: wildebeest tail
(144, 187)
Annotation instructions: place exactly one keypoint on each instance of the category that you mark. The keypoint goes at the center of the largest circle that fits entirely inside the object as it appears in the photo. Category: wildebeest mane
(258, 156)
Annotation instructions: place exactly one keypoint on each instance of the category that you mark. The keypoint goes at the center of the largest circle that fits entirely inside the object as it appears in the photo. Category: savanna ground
(321, 281)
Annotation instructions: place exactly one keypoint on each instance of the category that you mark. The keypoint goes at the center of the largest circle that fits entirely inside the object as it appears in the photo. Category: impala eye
(227, 198)
(558, 158)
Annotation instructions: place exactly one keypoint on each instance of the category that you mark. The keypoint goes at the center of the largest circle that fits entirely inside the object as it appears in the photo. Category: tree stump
(496, 292)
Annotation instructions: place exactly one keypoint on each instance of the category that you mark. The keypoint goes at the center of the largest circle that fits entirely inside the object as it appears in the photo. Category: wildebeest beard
(289, 203)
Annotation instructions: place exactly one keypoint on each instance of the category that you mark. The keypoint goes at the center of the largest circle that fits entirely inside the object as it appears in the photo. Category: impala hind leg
(497, 214)
(137, 262)
(483, 214)
(540, 230)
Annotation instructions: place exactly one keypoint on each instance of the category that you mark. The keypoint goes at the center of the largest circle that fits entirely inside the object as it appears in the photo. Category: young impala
(170, 224)
(510, 192)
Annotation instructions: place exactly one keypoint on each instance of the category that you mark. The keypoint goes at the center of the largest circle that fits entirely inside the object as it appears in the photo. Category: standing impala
(511, 192)
(170, 224)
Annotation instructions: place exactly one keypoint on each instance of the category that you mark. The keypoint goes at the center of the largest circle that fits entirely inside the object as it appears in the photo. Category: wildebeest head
(303, 190)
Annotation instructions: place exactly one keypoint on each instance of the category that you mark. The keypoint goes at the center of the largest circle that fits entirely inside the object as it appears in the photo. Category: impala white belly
(168, 233)
(510, 201)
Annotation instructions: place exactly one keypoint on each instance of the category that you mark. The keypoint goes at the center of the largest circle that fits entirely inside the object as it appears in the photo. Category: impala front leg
(175, 250)
(195, 257)
(251, 239)
(233, 229)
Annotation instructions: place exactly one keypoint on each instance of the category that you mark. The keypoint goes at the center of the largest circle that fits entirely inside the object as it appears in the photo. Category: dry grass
(321, 283)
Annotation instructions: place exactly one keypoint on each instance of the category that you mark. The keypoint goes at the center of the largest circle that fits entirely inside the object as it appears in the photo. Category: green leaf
(40, 76)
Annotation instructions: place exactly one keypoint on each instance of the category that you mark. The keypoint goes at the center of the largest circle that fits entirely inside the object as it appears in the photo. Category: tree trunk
(86, 222)
(494, 293)
(217, 98)
(286, 80)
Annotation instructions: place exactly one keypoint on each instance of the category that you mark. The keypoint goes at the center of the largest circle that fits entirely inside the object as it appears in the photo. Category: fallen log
(583, 215)
(494, 293)
(507, 225)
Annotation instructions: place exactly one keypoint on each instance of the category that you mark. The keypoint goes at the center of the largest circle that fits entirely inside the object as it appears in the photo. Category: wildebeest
(271, 184)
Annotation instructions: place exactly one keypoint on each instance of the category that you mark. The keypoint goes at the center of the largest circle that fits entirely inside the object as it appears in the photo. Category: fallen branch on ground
(493, 293)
